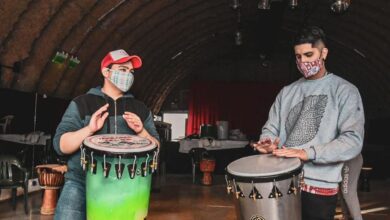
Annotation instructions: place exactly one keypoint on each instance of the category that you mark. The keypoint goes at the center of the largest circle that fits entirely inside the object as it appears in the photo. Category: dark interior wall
(375, 149)
(22, 105)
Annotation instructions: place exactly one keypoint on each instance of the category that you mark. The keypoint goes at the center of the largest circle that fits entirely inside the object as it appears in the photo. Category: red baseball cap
(120, 56)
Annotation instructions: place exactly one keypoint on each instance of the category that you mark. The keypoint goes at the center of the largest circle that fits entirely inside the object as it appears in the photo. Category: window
(178, 120)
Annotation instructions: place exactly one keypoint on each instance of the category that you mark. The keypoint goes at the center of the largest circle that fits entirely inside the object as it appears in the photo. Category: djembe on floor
(207, 166)
(51, 179)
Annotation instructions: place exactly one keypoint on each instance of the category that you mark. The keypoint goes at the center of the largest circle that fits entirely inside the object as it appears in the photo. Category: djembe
(119, 171)
(207, 166)
(51, 179)
(266, 187)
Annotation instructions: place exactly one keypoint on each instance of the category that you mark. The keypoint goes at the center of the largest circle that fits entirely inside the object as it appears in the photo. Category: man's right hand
(97, 119)
(266, 145)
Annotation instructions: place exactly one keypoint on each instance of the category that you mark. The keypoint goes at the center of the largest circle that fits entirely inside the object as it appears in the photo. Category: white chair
(5, 121)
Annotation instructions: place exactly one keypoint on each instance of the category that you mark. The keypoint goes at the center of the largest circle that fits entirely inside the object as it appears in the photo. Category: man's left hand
(290, 152)
(134, 122)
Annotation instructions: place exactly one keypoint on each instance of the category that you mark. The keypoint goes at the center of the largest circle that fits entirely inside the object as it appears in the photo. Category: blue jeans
(71, 204)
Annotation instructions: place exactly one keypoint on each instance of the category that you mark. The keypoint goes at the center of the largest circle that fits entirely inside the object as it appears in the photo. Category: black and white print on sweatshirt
(304, 120)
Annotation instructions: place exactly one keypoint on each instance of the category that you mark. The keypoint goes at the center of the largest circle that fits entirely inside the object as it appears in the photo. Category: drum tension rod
(154, 164)
(119, 168)
(93, 164)
(132, 167)
(83, 159)
(144, 166)
(106, 167)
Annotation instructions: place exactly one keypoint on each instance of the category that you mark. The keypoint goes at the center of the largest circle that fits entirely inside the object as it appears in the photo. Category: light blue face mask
(122, 80)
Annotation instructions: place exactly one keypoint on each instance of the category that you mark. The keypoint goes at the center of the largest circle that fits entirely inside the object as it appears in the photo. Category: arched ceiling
(177, 38)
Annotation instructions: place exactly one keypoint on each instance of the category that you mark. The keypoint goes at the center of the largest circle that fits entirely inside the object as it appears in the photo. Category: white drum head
(262, 166)
(118, 143)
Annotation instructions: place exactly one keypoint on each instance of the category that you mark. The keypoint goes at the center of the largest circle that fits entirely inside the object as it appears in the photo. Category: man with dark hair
(103, 110)
(318, 119)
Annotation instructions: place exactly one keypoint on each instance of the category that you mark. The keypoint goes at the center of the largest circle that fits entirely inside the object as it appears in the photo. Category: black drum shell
(208, 131)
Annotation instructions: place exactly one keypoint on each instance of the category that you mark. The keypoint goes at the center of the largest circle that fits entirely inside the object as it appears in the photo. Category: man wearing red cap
(102, 110)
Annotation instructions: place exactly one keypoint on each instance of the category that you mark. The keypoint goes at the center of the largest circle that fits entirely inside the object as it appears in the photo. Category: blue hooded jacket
(78, 115)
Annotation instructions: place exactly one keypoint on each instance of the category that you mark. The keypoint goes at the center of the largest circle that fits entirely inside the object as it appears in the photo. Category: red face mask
(309, 68)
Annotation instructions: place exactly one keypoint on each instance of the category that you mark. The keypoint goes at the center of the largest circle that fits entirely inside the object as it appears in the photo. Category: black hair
(312, 34)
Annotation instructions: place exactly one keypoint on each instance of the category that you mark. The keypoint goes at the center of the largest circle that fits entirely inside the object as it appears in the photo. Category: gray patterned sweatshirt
(324, 117)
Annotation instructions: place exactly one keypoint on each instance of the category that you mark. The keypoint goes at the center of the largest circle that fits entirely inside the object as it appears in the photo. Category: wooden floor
(179, 199)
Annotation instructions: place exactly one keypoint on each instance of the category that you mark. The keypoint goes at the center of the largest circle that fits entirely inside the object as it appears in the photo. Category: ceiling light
(236, 4)
(238, 38)
(293, 4)
(340, 6)
(264, 4)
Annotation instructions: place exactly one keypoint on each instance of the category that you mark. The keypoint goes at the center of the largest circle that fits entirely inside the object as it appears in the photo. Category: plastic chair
(5, 121)
(12, 176)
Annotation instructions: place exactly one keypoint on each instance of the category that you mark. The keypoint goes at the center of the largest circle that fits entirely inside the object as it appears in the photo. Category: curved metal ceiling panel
(175, 38)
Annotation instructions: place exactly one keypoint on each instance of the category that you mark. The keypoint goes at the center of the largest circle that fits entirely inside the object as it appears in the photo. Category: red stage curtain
(244, 105)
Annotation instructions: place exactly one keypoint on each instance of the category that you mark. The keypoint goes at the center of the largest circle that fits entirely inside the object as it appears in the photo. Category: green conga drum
(118, 170)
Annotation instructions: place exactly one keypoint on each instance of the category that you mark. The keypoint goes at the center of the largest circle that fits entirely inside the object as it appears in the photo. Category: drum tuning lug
(93, 167)
(84, 161)
(151, 168)
(144, 169)
(145, 166)
(106, 169)
(252, 195)
(257, 193)
(275, 193)
(154, 164)
(229, 189)
(239, 193)
(292, 188)
(132, 169)
(119, 170)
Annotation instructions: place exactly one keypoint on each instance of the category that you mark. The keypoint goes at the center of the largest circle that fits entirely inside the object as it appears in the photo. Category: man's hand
(97, 119)
(266, 146)
(290, 152)
(134, 122)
